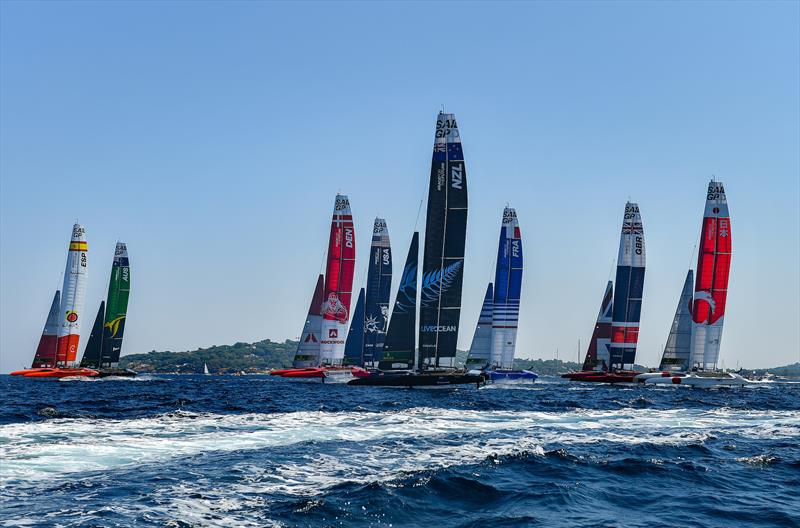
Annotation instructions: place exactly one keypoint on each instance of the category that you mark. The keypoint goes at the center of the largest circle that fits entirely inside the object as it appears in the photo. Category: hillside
(264, 355)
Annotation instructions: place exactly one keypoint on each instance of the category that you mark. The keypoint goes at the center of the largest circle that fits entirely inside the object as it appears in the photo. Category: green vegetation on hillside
(264, 355)
(248, 357)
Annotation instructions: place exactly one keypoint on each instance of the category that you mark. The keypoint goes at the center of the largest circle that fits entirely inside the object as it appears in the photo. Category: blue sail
(507, 292)
(379, 285)
(354, 346)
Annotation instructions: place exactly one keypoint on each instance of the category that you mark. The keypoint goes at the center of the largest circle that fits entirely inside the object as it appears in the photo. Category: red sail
(711, 286)
(338, 283)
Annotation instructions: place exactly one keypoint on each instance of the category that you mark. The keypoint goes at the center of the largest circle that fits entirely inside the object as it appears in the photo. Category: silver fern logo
(435, 283)
(407, 294)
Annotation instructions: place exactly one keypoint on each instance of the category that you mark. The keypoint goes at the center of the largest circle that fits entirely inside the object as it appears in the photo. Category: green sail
(119, 287)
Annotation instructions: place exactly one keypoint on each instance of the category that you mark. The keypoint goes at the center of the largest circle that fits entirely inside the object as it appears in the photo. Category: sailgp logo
(457, 176)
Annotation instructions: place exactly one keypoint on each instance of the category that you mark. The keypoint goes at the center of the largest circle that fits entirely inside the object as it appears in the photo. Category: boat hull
(512, 376)
(116, 372)
(643, 377)
(418, 380)
(602, 377)
(56, 372)
(702, 380)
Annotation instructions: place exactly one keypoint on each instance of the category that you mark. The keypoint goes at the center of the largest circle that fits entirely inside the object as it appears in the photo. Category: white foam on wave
(411, 439)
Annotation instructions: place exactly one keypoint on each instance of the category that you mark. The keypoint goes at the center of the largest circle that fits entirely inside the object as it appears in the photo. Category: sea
(253, 451)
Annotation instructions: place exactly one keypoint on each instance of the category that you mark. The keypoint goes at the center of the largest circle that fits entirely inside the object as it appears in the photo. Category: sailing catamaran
(379, 288)
(338, 283)
(626, 308)
(442, 269)
(503, 309)
(710, 296)
(70, 316)
(105, 342)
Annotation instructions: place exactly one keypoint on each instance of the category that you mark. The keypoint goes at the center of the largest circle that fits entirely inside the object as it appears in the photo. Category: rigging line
(691, 256)
(419, 210)
(613, 265)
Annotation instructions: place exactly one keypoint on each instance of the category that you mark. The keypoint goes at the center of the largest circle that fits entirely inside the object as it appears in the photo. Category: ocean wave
(400, 441)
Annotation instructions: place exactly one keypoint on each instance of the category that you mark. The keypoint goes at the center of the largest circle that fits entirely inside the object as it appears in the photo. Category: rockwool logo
(333, 333)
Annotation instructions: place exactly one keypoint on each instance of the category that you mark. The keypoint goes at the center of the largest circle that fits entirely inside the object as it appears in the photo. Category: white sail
(679, 342)
(73, 294)
(480, 351)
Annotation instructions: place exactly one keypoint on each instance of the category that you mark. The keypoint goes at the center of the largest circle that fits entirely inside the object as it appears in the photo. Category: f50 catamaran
(105, 342)
(710, 298)
(59, 361)
(625, 308)
(442, 271)
(504, 309)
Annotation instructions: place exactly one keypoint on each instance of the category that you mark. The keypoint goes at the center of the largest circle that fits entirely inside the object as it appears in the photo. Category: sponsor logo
(348, 237)
(440, 177)
(457, 176)
(438, 328)
(333, 333)
(310, 338)
(446, 127)
(333, 309)
(113, 325)
(715, 191)
(72, 316)
(341, 203)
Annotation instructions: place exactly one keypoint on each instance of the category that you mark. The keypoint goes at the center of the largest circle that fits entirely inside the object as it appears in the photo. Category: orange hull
(55, 372)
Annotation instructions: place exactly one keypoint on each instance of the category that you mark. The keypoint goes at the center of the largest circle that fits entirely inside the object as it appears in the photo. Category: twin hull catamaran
(612, 349)
(105, 342)
(494, 341)
(58, 346)
(692, 351)
(442, 277)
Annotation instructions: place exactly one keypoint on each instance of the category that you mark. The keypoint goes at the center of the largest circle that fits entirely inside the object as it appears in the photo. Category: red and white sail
(307, 354)
(335, 308)
(72, 297)
(711, 283)
(48, 344)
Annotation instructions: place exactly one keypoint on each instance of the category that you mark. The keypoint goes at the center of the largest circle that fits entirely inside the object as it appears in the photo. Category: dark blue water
(257, 451)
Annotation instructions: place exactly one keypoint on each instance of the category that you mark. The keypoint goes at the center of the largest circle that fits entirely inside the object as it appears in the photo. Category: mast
(307, 354)
(379, 288)
(92, 354)
(679, 343)
(398, 347)
(354, 347)
(480, 352)
(45, 355)
(598, 353)
(119, 287)
(445, 238)
(629, 285)
(711, 286)
(338, 283)
(73, 294)
(507, 291)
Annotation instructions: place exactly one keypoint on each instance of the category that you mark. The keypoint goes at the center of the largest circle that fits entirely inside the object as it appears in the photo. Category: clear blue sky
(213, 137)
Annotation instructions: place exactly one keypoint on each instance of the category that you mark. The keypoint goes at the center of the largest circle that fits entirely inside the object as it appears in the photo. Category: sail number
(83, 260)
(639, 245)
